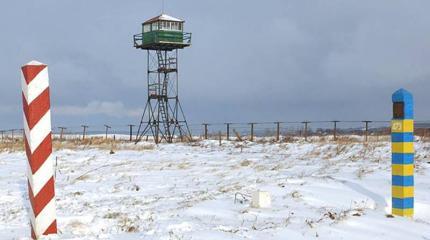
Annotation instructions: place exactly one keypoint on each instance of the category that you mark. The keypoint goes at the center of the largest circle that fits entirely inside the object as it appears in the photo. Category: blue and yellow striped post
(402, 138)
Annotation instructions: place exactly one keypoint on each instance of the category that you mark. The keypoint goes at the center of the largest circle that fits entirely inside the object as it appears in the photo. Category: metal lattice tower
(163, 117)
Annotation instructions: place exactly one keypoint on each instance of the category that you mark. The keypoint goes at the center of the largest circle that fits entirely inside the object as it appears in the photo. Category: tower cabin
(162, 33)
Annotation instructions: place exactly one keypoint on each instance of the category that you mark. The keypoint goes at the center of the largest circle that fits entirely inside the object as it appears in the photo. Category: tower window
(165, 25)
(154, 26)
(176, 26)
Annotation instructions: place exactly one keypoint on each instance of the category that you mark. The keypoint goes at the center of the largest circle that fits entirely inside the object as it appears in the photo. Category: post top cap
(34, 63)
(402, 95)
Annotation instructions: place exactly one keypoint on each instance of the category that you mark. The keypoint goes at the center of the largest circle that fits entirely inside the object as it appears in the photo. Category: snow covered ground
(187, 191)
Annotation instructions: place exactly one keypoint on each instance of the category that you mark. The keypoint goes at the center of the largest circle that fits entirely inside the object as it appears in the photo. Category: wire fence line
(236, 130)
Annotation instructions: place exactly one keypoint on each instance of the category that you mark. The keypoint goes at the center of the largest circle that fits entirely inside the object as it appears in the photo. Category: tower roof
(163, 17)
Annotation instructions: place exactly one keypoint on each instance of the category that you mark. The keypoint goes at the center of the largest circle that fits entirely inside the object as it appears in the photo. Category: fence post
(335, 130)
(38, 134)
(131, 131)
(157, 132)
(278, 131)
(107, 129)
(206, 130)
(367, 130)
(62, 132)
(427, 134)
(13, 131)
(402, 136)
(306, 130)
(228, 131)
(220, 138)
(252, 132)
(84, 131)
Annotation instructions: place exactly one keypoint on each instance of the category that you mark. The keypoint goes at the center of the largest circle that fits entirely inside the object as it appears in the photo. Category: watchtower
(163, 117)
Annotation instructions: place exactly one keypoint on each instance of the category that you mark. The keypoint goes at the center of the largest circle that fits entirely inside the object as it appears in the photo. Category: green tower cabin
(163, 117)
(162, 33)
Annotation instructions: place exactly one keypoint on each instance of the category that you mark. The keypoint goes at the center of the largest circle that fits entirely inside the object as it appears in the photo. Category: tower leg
(163, 114)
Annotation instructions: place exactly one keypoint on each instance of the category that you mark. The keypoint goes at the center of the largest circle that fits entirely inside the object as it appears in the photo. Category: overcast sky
(250, 60)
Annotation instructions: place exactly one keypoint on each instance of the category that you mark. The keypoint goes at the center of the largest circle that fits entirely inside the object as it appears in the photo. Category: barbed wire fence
(365, 130)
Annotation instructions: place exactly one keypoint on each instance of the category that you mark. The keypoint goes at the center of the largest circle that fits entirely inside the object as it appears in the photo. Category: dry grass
(9, 145)
(13, 145)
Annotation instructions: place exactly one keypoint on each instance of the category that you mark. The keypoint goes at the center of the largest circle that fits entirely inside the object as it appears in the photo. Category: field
(320, 190)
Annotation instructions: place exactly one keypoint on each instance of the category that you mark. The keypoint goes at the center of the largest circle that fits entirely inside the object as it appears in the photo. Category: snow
(187, 191)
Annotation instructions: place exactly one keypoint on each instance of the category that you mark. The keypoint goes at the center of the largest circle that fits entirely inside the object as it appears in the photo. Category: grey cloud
(111, 109)
(250, 60)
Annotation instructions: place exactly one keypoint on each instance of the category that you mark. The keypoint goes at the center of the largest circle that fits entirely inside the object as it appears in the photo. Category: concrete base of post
(261, 199)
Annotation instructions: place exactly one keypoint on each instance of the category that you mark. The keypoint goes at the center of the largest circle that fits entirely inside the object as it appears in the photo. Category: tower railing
(139, 39)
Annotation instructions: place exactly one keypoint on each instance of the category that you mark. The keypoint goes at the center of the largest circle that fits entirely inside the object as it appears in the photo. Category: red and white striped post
(38, 147)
